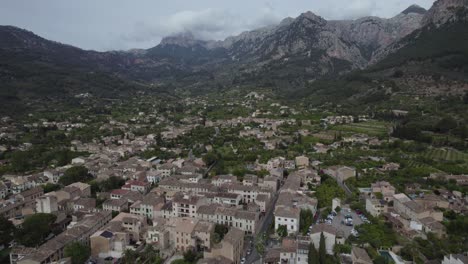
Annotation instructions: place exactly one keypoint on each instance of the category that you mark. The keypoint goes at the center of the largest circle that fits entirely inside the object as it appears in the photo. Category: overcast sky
(125, 24)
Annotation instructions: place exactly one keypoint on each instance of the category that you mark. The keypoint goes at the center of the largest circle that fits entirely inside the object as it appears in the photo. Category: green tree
(35, 229)
(190, 256)
(380, 260)
(220, 231)
(328, 190)
(210, 158)
(312, 256)
(78, 252)
(322, 249)
(305, 221)
(282, 231)
(129, 256)
(446, 124)
(7, 230)
(75, 174)
(50, 187)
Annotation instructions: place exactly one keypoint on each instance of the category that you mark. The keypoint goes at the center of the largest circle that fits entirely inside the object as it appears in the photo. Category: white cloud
(207, 24)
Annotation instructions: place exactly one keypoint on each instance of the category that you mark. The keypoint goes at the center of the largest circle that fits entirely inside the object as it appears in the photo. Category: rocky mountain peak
(446, 11)
(416, 9)
(310, 16)
(184, 39)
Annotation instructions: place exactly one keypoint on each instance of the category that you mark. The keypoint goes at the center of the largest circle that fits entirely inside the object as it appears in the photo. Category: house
(302, 161)
(245, 220)
(53, 249)
(412, 210)
(229, 199)
(187, 205)
(189, 233)
(150, 206)
(340, 173)
(84, 204)
(390, 166)
(360, 256)
(231, 246)
(158, 235)
(289, 217)
(53, 175)
(137, 186)
(133, 225)
(430, 225)
(220, 180)
(83, 187)
(288, 250)
(375, 207)
(384, 188)
(47, 204)
(330, 233)
(166, 170)
(269, 183)
(105, 244)
(115, 205)
(4, 190)
(455, 259)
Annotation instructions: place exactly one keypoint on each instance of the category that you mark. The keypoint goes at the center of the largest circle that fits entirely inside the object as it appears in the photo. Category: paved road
(268, 218)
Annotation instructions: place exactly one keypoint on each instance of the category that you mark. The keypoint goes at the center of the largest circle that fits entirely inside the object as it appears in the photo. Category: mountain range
(294, 53)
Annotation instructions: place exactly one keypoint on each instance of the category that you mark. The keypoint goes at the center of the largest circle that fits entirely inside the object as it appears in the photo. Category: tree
(7, 230)
(322, 249)
(190, 256)
(446, 124)
(337, 209)
(328, 190)
(220, 231)
(380, 260)
(35, 229)
(312, 256)
(75, 174)
(129, 256)
(78, 252)
(210, 158)
(282, 231)
(50, 187)
(150, 255)
(305, 221)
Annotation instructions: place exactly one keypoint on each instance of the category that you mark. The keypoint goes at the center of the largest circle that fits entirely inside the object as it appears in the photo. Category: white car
(242, 261)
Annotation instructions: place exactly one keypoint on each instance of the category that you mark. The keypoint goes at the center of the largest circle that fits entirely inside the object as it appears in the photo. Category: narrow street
(268, 219)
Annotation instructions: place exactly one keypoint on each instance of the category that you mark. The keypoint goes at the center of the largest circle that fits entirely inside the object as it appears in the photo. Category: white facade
(292, 224)
(46, 204)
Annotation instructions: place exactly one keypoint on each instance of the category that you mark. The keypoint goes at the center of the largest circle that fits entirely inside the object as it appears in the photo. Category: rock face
(310, 37)
(443, 12)
(307, 45)
(446, 11)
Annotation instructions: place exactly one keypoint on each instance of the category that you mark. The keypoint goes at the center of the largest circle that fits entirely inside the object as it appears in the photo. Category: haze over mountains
(294, 52)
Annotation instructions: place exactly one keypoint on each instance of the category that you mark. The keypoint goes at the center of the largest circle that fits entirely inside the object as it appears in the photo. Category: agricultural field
(371, 128)
(444, 154)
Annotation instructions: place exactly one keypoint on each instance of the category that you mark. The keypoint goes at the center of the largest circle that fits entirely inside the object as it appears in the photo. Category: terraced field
(371, 128)
(446, 154)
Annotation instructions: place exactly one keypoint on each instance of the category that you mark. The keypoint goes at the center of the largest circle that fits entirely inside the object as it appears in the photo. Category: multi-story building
(53, 249)
(47, 204)
(231, 246)
(189, 233)
(244, 220)
(375, 207)
(187, 205)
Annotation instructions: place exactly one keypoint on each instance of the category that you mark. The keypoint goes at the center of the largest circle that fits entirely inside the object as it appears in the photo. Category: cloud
(349, 9)
(207, 24)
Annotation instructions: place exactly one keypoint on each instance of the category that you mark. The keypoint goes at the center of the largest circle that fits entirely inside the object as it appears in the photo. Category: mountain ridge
(293, 53)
